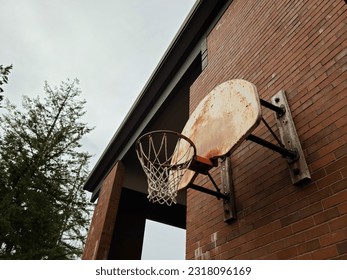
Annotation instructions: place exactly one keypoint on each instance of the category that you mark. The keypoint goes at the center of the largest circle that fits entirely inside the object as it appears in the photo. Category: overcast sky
(111, 46)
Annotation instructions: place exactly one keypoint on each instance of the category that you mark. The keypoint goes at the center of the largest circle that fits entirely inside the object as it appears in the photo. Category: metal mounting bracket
(228, 190)
(225, 192)
(299, 171)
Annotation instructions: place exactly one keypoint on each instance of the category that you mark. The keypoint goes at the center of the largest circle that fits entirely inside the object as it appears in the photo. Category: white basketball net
(164, 163)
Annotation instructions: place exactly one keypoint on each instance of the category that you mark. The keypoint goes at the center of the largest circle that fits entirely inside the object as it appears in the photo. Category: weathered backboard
(222, 120)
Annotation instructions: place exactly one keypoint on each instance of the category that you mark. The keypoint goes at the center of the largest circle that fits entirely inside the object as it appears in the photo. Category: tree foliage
(4, 72)
(44, 211)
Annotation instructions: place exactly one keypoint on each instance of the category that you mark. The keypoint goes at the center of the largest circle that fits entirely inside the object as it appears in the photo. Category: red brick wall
(300, 47)
(101, 229)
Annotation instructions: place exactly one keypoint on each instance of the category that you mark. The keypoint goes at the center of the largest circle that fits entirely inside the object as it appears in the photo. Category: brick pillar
(101, 229)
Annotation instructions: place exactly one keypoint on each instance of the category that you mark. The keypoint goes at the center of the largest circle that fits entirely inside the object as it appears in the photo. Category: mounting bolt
(277, 99)
(296, 171)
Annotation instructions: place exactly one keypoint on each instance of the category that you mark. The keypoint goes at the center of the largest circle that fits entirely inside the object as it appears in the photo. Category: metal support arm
(279, 110)
(293, 155)
(216, 193)
(219, 195)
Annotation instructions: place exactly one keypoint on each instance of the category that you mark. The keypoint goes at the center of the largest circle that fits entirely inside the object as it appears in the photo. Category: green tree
(44, 211)
(4, 72)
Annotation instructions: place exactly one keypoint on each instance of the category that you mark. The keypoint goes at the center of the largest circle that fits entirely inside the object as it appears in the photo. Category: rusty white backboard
(222, 120)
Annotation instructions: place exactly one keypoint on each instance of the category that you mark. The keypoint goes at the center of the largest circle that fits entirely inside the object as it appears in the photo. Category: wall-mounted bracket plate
(299, 171)
(227, 188)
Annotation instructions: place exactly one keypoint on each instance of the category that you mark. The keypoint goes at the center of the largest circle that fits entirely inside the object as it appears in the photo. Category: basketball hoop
(165, 156)
(223, 119)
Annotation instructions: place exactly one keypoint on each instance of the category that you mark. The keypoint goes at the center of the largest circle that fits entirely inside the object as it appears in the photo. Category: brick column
(101, 229)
